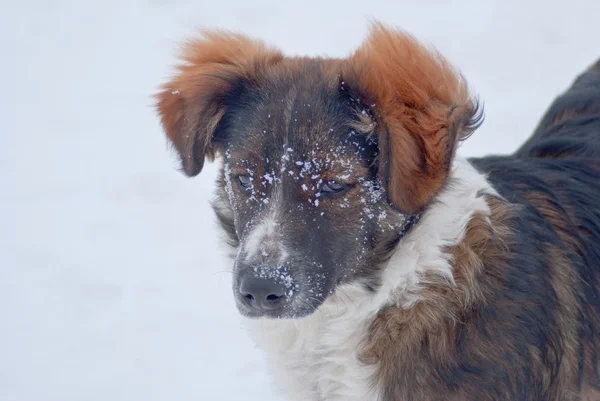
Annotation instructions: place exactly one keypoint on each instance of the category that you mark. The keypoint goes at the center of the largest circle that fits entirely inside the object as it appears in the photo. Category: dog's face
(325, 162)
(301, 179)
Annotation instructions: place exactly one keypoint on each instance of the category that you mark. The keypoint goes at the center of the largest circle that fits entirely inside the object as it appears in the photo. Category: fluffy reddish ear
(422, 109)
(191, 104)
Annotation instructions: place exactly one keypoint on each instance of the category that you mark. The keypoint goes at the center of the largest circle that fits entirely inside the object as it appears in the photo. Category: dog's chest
(315, 359)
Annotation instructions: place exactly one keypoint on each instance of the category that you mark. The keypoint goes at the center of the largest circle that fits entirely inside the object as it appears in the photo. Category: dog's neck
(316, 357)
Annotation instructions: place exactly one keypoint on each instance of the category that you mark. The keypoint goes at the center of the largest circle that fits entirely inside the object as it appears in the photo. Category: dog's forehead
(298, 119)
(308, 123)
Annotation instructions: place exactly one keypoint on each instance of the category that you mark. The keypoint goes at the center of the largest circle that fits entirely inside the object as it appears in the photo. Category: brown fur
(564, 279)
(415, 350)
(416, 344)
(421, 104)
(409, 345)
(190, 104)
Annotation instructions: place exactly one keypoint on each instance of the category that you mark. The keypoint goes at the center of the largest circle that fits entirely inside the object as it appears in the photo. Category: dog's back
(571, 126)
(554, 176)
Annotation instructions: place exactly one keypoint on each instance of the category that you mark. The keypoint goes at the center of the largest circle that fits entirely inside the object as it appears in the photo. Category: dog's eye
(245, 181)
(333, 187)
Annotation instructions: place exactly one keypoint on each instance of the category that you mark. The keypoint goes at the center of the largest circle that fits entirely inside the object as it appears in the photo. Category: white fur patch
(264, 239)
(260, 236)
(315, 358)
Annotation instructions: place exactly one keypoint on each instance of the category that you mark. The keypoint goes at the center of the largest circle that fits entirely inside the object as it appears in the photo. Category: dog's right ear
(191, 105)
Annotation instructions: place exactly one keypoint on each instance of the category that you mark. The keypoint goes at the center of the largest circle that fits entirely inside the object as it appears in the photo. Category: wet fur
(491, 293)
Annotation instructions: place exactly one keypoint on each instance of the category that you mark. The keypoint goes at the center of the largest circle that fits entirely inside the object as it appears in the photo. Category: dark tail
(571, 126)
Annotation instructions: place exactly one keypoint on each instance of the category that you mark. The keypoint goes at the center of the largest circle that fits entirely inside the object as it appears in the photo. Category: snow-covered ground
(112, 285)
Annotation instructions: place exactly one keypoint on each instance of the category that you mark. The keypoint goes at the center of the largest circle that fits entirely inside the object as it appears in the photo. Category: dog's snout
(262, 294)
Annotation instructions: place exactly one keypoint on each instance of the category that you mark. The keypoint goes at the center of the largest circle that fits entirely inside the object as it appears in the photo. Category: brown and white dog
(371, 262)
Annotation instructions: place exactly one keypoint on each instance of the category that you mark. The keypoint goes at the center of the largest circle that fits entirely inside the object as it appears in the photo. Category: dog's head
(326, 162)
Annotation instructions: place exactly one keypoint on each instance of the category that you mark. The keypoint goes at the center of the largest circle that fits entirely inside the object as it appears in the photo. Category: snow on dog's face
(301, 180)
(325, 162)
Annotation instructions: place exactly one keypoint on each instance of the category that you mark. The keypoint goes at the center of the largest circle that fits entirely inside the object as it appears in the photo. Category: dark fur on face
(291, 135)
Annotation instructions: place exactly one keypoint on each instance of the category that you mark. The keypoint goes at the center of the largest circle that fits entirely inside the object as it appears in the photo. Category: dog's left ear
(422, 109)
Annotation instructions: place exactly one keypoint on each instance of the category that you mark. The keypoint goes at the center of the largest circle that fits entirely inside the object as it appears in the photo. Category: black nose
(262, 294)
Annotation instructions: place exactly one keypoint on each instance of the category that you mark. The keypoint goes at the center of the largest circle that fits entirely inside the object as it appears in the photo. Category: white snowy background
(112, 284)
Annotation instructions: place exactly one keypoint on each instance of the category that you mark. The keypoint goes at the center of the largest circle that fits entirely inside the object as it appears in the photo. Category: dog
(370, 261)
